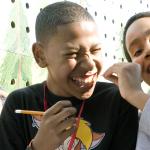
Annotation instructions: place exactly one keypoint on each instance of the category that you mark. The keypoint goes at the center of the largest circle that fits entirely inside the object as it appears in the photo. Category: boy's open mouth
(85, 82)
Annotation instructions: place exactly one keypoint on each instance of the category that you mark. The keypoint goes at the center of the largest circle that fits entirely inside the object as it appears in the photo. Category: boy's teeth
(82, 82)
(89, 79)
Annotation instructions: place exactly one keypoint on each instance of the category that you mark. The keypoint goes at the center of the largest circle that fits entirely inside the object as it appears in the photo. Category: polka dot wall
(17, 35)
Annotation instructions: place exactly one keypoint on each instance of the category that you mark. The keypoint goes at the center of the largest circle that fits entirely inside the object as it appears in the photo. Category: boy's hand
(57, 124)
(128, 77)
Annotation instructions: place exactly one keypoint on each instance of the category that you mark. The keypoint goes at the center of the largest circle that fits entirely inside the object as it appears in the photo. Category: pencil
(29, 112)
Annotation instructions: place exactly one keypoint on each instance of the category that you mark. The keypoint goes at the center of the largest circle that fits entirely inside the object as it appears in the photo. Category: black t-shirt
(108, 120)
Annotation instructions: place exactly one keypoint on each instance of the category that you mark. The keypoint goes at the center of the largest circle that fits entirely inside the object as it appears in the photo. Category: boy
(67, 44)
(136, 43)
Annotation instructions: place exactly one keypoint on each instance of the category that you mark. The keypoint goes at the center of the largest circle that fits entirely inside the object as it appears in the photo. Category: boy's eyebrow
(70, 49)
(72, 46)
(97, 44)
(76, 48)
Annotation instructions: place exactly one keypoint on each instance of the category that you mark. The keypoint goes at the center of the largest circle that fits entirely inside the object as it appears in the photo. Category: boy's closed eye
(96, 51)
(76, 54)
(72, 55)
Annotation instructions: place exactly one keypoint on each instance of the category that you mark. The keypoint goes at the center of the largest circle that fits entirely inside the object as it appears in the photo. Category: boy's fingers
(67, 124)
(57, 107)
(65, 114)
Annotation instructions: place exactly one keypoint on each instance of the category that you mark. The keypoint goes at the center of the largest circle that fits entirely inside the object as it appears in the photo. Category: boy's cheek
(100, 67)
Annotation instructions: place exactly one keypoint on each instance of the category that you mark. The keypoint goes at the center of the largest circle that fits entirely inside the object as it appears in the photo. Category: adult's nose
(147, 54)
(147, 50)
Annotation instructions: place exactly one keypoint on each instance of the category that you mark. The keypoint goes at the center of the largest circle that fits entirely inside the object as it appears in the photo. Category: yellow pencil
(29, 112)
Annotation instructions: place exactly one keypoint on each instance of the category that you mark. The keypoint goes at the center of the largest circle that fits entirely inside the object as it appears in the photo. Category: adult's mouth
(148, 69)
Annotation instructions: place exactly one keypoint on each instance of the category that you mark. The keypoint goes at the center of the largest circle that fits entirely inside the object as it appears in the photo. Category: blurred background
(17, 66)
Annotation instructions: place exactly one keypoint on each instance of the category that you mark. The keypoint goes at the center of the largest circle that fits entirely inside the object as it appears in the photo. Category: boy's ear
(39, 56)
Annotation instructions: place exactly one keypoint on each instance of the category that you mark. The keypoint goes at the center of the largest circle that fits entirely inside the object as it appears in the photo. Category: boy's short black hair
(56, 14)
(129, 22)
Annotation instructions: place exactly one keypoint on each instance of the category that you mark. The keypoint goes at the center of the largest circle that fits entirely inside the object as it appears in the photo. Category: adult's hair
(59, 13)
(129, 22)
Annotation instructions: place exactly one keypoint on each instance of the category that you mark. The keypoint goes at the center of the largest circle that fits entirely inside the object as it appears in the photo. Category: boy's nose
(87, 62)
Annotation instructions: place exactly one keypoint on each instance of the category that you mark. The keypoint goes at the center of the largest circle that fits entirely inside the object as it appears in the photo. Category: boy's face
(138, 45)
(73, 58)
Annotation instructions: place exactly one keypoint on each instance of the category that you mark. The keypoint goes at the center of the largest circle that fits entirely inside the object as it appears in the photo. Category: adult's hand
(128, 78)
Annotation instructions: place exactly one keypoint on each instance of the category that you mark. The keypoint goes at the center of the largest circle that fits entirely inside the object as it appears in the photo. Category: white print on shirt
(86, 139)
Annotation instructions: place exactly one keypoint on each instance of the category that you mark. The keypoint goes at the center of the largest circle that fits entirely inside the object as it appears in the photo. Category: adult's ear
(39, 56)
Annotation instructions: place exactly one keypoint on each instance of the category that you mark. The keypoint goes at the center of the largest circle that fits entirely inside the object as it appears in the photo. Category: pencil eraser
(17, 111)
